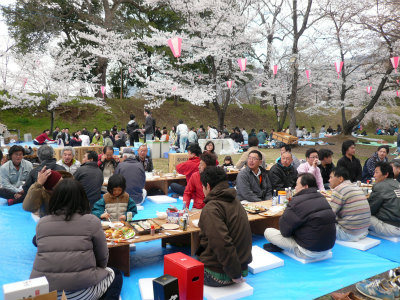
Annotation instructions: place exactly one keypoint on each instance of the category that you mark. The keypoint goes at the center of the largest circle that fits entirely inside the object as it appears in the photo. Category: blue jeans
(149, 137)
(182, 143)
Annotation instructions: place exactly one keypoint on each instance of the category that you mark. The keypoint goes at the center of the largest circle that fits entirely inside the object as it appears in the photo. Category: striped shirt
(351, 208)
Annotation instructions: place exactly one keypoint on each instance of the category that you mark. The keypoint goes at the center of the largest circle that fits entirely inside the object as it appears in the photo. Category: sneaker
(394, 273)
(346, 296)
(391, 284)
(272, 248)
(374, 289)
(10, 202)
(396, 281)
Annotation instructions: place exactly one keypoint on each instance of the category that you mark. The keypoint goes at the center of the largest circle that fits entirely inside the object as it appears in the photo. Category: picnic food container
(144, 226)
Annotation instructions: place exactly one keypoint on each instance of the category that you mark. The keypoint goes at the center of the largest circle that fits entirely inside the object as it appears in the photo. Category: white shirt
(85, 140)
(212, 133)
(182, 130)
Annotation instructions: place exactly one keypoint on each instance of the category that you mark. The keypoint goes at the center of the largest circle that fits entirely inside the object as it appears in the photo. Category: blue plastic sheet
(292, 281)
(386, 249)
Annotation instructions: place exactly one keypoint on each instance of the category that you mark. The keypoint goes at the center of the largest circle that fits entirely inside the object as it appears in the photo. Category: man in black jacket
(91, 177)
(326, 166)
(283, 175)
(225, 236)
(133, 130)
(349, 161)
(307, 227)
(65, 136)
(148, 126)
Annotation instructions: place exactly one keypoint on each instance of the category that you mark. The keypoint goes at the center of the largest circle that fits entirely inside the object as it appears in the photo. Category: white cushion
(161, 199)
(230, 292)
(309, 260)
(146, 288)
(389, 238)
(364, 244)
(263, 260)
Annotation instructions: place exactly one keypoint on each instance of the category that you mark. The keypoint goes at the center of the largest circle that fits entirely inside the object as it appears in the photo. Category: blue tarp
(292, 281)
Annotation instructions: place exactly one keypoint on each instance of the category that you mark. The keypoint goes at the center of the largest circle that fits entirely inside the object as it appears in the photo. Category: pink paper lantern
(395, 62)
(397, 81)
(369, 89)
(25, 81)
(260, 84)
(242, 63)
(338, 66)
(397, 93)
(275, 69)
(176, 45)
(230, 83)
(103, 89)
(308, 75)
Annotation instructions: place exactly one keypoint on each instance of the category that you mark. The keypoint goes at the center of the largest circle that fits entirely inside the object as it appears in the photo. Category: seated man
(326, 166)
(194, 188)
(144, 159)
(349, 161)
(68, 160)
(91, 177)
(13, 174)
(385, 202)
(311, 166)
(350, 205)
(307, 226)
(225, 235)
(283, 175)
(369, 166)
(134, 174)
(119, 142)
(253, 145)
(252, 182)
(395, 163)
(288, 148)
(107, 163)
(45, 154)
(187, 168)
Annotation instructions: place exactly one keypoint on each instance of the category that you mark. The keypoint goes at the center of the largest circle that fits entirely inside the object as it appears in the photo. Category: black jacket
(132, 129)
(33, 175)
(282, 177)
(91, 177)
(148, 126)
(326, 172)
(66, 138)
(120, 143)
(147, 163)
(310, 220)
(352, 166)
(225, 236)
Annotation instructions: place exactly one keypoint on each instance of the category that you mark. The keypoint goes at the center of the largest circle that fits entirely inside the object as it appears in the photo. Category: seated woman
(75, 141)
(43, 138)
(116, 203)
(210, 147)
(72, 250)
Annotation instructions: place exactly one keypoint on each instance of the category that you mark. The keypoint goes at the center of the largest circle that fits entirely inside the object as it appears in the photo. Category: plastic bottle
(152, 230)
(274, 198)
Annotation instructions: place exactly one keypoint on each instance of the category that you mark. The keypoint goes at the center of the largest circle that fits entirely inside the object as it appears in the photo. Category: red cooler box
(190, 274)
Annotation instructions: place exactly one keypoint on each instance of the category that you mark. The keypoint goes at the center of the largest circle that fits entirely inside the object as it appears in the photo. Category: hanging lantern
(260, 84)
(176, 45)
(230, 83)
(397, 93)
(275, 69)
(25, 81)
(103, 90)
(308, 76)
(395, 62)
(338, 66)
(242, 63)
(369, 88)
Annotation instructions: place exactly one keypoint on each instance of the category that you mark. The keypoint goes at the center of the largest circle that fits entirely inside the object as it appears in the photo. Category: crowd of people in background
(106, 186)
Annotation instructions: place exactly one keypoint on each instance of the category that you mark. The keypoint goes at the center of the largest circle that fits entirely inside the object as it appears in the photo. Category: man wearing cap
(135, 176)
(13, 174)
(38, 197)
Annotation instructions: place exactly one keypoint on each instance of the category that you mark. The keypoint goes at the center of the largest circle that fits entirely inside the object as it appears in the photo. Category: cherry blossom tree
(215, 34)
(50, 80)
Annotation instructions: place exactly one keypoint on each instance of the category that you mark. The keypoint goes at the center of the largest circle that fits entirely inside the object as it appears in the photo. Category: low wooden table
(164, 182)
(119, 253)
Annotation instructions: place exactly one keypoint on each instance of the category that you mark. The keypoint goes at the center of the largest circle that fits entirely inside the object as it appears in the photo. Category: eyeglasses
(253, 158)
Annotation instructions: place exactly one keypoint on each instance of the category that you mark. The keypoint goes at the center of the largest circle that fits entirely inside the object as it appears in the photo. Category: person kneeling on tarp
(225, 236)
(307, 226)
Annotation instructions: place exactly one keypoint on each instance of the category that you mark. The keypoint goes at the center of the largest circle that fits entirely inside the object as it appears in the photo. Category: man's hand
(43, 175)
(315, 163)
(103, 158)
(17, 196)
(105, 216)
(239, 280)
(122, 218)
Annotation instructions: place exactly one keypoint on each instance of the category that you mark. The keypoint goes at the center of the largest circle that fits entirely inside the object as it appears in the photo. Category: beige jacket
(243, 159)
(37, 200)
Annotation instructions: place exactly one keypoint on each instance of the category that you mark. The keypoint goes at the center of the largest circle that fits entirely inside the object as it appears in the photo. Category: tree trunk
(175, 101)
(102, 69)
(51, 120)
(122, 83)
(221, 119)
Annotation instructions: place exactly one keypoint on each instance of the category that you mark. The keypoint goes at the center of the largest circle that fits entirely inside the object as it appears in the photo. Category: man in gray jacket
(133, 171)
(252, 182)
(385, 202)
(148, 126)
